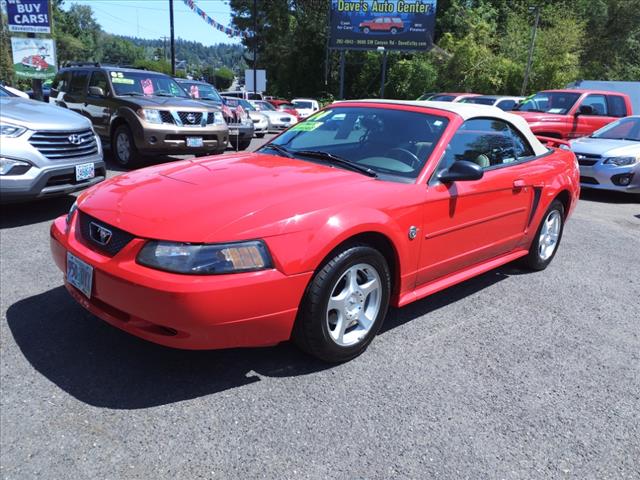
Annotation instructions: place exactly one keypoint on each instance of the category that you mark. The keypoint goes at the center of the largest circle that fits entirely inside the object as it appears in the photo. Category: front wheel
(545, 243)
(366, 30)
(123, 147)
(259, 135)
(344, 305)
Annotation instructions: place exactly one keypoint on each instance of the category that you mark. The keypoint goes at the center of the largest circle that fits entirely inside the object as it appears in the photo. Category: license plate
(79, 274)
(234, 132)
(85, 171)
(194, 142)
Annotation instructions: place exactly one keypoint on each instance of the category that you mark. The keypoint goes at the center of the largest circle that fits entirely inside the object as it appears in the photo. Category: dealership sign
(392, 24)
(31, 16)
(34, 57)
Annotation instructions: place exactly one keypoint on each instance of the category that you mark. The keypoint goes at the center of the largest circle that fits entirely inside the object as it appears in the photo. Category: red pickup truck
(569, 114)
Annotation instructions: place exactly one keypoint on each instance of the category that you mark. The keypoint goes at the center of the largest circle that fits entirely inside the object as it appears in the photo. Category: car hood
(605, 147)
(36, 115)
(219, 199)
(170, 102)
(535, 117)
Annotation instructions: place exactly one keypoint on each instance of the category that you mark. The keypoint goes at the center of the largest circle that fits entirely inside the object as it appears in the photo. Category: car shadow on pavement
(607, 196)
(105, 367)
(21, 214)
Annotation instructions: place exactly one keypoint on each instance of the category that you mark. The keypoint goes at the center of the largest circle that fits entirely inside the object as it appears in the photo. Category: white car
(305, 106)
(260, 123)
(277, 120)
(16, 92)
(503, 102)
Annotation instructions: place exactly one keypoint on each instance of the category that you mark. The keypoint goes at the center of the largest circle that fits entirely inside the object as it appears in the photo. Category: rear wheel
(545, 243)
(345, 305)
(259, 135)
(394, 30)
(124, 148)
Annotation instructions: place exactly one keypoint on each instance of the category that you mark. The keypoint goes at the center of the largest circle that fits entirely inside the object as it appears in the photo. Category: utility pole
(255, 45)
(173, 40)
(384, 69)
(531, 49)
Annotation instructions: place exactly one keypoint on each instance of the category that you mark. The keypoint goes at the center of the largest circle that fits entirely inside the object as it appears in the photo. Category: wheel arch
(565, 198)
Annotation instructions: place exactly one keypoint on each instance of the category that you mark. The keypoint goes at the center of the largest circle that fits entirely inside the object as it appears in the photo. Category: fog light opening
(153, 140)
(623, 180)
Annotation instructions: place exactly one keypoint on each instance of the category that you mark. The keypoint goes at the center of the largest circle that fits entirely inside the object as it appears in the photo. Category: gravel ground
(510, 375)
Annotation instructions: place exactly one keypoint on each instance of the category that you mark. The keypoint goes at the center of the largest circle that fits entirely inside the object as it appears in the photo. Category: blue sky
(150, 18)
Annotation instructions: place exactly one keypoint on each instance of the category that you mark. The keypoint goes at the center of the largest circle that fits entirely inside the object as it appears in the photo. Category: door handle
(519, 184)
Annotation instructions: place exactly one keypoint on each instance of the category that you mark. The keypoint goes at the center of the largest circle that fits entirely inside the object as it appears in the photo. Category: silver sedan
(610, 158)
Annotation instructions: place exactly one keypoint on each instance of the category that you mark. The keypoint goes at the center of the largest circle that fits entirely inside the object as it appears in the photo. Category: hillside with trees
(480, 45)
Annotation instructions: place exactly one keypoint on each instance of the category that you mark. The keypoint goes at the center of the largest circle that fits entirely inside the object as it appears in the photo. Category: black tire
(366, 30)
(133, 158)
(394, 31)
(535, 260)
(260, 135)
(219, 151)
(311, 331)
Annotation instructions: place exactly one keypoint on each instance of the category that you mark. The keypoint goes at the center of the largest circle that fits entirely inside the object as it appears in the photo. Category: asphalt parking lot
(510, 375)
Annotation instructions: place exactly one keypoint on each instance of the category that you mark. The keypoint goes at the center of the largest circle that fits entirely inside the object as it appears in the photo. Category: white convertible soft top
(471, 110)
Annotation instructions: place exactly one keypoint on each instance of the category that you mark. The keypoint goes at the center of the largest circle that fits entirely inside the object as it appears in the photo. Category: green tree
(6, 60)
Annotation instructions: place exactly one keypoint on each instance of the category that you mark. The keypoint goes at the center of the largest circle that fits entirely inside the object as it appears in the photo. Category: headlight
(72, 210)
(218, 119)
(9, 130)
(150, 115)
(207, 259)
(621, 161)
(8, 164)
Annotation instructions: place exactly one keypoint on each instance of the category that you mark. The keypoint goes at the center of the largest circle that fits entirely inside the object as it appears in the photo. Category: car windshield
(302, 104)
(202, 90)
(624, 129)
(145, 84)
(239, 102)
(549, 102)
(286, 105)
(479, 100)
(262, 106)
(443, 98)
(392, 143)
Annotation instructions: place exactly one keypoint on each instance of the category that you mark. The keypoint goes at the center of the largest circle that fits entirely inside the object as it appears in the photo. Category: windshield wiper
(279, 149)
(336, 160)
(132, 94)
(164, 94)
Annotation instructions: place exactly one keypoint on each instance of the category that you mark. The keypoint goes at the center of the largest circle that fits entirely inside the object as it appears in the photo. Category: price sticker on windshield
(306, 126)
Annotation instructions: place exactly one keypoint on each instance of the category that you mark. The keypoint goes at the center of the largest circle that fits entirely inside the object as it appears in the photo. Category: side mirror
(96, 91)
(461, 171)
(584, 110)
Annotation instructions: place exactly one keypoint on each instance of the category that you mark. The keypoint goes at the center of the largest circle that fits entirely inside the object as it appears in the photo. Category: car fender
(129, 117)
(305, 250)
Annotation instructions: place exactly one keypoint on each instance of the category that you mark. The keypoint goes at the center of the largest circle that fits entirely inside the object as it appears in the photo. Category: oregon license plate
(234, 132)
(194, 142)
(79, 274)
(85, 171)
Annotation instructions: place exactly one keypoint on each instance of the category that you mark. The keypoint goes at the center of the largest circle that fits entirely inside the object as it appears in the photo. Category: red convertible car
(364, 205)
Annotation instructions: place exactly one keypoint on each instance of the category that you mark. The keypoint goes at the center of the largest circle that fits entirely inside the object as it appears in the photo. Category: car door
(74, 98)
(96, 106)
(469, 222)
(592, 114)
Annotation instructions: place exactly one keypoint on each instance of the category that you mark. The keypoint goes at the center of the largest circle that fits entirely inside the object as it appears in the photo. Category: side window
(61, 82)
(485, 142)
(617, 106)
(78, 82)
(522, 147)
(506, 105)
(99, 79)
(598, 104)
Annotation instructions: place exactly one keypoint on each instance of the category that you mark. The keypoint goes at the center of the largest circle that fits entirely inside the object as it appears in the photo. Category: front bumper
(165, 139)
(608, 177)
(49, 181)
(182, 311)
(245, 132)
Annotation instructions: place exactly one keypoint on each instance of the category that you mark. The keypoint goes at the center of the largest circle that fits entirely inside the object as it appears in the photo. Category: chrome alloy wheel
(354, 304)
(123, 146)
(549, 235)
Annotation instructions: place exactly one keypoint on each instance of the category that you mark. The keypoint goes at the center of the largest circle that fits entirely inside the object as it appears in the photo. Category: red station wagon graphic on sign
(383, 24)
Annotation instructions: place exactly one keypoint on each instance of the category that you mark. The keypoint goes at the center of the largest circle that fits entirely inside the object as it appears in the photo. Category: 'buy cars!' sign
(392, 24)
(30, 16)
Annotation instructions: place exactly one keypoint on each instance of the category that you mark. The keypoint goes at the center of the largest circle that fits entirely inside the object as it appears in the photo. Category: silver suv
(45, 150)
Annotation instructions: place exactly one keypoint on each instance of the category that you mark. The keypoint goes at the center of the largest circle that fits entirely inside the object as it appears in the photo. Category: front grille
(119, 238)
(63, 145)
(190, 118)
(166, 117)
(589, 180)
(285, 119)
(587, 160)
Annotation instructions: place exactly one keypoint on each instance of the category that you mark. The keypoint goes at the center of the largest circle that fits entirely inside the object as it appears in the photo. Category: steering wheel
(405, 156)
